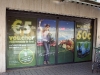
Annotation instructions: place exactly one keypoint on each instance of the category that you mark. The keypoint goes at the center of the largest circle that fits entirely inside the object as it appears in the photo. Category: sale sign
(83, 42)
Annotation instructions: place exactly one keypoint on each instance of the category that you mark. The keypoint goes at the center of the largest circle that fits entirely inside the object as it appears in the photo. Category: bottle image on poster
(46, 41)
(83, 49)
(65, 41)
(83, 46)
(21, 42)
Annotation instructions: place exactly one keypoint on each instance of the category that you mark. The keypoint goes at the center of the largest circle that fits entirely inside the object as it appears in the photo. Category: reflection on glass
(65, 41)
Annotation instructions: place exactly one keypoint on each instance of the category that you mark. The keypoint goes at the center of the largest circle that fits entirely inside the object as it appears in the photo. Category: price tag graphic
(82, 34)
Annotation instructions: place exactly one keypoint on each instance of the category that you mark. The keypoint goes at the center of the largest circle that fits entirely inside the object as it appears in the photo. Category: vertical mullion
(36, 44)
(74, 40)
(56, 51)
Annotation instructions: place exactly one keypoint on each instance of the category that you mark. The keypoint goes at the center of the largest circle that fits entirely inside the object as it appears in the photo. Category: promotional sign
(65, 41)
(83, 44)
(21, 42)
(46, 41)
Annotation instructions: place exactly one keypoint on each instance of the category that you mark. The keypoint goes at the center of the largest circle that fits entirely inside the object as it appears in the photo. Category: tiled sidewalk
(83, 68)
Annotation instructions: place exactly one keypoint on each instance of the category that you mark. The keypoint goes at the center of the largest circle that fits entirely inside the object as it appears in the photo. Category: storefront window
(34, 39)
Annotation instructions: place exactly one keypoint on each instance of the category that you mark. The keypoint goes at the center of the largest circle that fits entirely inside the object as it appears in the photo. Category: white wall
(46, 6)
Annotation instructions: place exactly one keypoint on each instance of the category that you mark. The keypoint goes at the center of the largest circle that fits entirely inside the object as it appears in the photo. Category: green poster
(83, 44)
(21, 42)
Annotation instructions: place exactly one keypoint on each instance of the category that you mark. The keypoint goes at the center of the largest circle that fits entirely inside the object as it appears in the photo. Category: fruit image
(64, 46)
(67, 44)
(68, 47)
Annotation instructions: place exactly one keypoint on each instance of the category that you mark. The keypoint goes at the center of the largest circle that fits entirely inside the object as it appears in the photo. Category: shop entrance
(36, 40)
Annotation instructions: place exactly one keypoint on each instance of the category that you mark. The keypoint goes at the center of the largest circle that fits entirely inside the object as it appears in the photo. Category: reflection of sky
(52, 23)
(66, 30)
(66, 24)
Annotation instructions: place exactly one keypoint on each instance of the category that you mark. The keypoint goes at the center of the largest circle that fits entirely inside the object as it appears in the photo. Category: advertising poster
(21, 42)
(83, 44)
(46, 41)
(65, 41)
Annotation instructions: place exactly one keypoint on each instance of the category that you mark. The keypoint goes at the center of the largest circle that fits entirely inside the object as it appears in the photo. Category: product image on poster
(46, 41)
(83, 49)
(21, 42)
(65, 41)
(26, 56)
(83, 46)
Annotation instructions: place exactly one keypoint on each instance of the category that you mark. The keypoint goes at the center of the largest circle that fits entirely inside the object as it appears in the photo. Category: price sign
(83, 42)
(17, 27)
(82, 34)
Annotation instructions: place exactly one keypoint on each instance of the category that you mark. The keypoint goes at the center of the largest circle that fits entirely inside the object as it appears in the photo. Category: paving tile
(22, 72)
(83, 68)
(11, 73)
(33, 72)
(49, 72)
(16, 72)
(4, 73)
(28, 72)
(38, 71)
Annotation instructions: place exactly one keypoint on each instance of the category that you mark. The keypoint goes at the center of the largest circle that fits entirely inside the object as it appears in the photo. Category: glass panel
(65, 41)
(83, 44)
(21, 42)
(45, 47)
